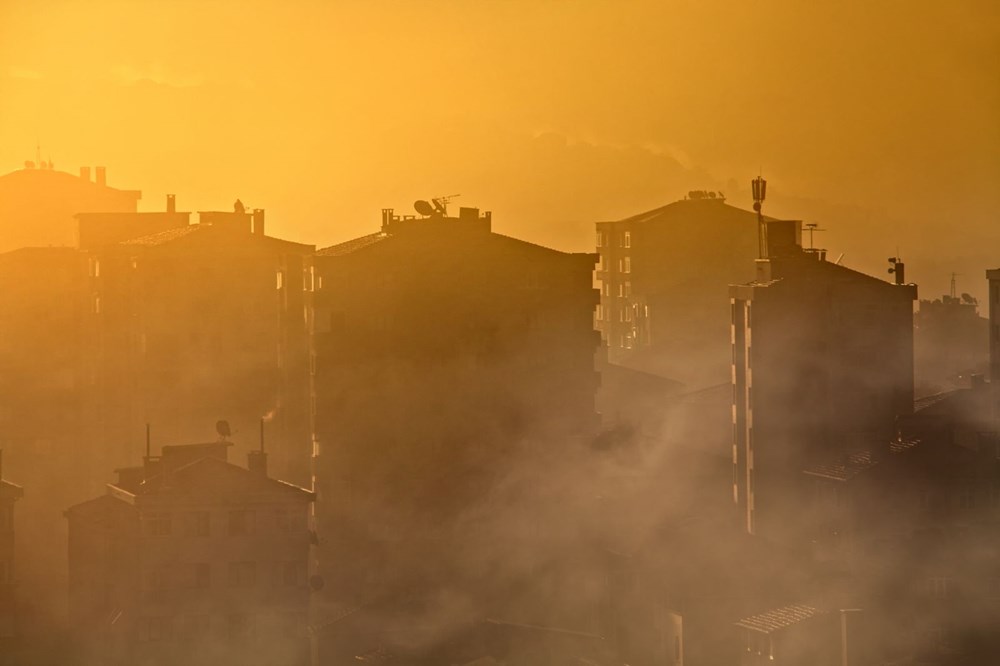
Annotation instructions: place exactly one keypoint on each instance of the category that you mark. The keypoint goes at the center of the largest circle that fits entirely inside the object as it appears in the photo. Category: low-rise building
(192, 559)
(9, 494)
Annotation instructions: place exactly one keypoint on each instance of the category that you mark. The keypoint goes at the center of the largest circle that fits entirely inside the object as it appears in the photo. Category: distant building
(950, 343)
(445, 353)
(822, 366)
(37, 204)
(201, 322)
(663, 276)
(191, 559)
(9, 494)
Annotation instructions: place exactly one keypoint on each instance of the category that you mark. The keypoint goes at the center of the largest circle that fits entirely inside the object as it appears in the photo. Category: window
(154, 628)
(937, 587)
(628, 314)
(242, 574)
(628, 239)
(628, 290)
(626, 264)
(159, 524)
(97, 304)
(308, 279)
(283, 521)
(293, 574)
(199, 524)
(600, 239)
(607, 292)
(241, 522)
(240, 626)
(279, 280)
(621, 291)
(199, 576)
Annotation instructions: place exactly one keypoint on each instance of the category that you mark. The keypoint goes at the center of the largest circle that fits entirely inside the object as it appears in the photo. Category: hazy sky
(877, 119)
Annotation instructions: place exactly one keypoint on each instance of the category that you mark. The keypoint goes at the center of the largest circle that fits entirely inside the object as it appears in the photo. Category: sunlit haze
(875, 119)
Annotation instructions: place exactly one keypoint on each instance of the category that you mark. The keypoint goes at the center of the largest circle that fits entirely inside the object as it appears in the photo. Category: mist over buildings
(256, 406)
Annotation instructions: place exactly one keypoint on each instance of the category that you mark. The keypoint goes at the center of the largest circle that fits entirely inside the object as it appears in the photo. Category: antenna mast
(759, 186)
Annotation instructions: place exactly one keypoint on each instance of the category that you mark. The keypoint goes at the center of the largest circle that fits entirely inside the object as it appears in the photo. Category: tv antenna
(441, 204)
(812, 227)
(953, 290)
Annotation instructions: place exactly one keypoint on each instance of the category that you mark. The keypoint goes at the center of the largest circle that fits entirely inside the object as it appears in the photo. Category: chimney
(101, 176)
(85, 173)
(258, 221)
(257, 462)
(171, 203)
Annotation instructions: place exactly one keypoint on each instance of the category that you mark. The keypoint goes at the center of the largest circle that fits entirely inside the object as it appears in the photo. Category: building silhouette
(37, 204)
(9, 495)
(447, 353)
(663, 275)
(950, 343)
(192, 559)
(822, 366)
(198, 322)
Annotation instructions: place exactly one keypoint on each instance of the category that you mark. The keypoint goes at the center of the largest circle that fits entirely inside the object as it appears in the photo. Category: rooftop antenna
(812, 227)
(759, 186)
(953, 276)
(147, 441)
(262, 434)
(441, 204)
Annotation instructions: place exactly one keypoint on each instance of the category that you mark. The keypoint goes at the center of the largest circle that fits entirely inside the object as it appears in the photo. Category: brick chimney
(171, 203)
(101, 176)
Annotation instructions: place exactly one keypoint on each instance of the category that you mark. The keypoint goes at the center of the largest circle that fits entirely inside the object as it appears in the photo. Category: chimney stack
(85, 173)
(258, 221)
(171, 203)
(101, 176)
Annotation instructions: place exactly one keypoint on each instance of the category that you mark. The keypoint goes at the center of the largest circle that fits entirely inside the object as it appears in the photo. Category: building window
(200, 576)
(97, 304)
(242, 574)
(626, 264)
(154, 629)
(240, 626)
(199, 524)
(159, 524)
(628, 290)
(628, 239)
(937, 587)
(241, 522)
(600, 239)
(279, 280)
(607, 289)
(293, 574)
(628, 313)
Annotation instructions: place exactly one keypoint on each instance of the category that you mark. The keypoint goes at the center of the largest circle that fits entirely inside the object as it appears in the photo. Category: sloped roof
(347, 247)
(365, 242)
(169, 236)
(10, 490)
(214, 476)
(686, 208)
(164, 237)
(103, 510)
(778, 618)
(844, 467)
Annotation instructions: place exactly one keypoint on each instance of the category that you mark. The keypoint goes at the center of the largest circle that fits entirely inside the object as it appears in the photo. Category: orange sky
(876, 119)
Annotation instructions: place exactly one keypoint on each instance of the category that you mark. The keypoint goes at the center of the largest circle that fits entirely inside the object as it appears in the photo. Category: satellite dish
(424, 208)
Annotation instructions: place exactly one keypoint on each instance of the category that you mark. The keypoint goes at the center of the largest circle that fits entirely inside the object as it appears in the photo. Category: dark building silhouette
(37, 204)
(822, 366)
(950, 343)
(9, 495)
(192, 559)
(664, 276)
(200, 322)
(446, 354)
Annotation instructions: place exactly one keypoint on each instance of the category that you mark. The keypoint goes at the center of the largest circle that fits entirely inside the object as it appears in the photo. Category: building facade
(663, 276)
(445, 352)
(822, 367)
(192, 559)
(9, 495)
